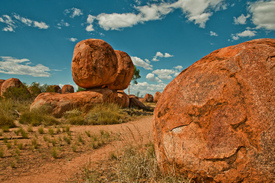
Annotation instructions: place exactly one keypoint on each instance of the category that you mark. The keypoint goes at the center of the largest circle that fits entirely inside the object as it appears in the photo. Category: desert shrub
(34, 89)
(80, 89)
(20, 93)
(103, 114)
(75, 117)
(38, 116)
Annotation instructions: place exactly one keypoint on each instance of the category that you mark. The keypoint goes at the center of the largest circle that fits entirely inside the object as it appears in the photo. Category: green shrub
(103, 114)
(6, 128)
(75, 117)
(38, 116)
(34, 89)
(41, 130)
(51, 131)
(2, 152)
(20, 93)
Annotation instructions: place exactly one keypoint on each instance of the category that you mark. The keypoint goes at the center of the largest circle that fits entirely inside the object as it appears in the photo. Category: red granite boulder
(94, 64)
(13, 83)
(157, 96)
(67, 89)
(148, 98)
(125, 71)
(60, 103)
(216, 120)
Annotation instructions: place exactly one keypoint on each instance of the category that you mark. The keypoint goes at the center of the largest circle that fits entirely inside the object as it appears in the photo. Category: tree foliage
(136, 75)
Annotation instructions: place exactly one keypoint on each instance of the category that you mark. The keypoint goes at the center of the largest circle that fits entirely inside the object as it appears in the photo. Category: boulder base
(216, 119)
(60, 103)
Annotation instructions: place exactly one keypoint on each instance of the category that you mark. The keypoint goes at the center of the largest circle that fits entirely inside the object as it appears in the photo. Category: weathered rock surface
(216, 120)
(122, 99)
(157, 96)
(1, 82)
(67, 89)
(94, 64)
(54, 88)
(135, 103)
(60, 103)
(148, 98)
(12, 83)
(125, 71)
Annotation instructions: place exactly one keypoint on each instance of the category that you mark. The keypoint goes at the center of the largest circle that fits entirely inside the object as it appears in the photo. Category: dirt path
(62, 170)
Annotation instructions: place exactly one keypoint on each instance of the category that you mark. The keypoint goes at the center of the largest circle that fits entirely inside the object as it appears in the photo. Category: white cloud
(6, 19)
(10, 65)
(145, 88)
(161, 55)
(164, 74)
(11, 24)
(151, 77)
(241, 19)
(263, 13)
(74, 12)
(62, 23)
(72, 39)
(246, 33)
(198, 11)
(90, 20)
(213, 33)
(40, 25)
(141, 63)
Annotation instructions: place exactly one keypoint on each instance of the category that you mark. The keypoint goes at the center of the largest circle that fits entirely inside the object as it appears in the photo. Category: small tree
(135, 77)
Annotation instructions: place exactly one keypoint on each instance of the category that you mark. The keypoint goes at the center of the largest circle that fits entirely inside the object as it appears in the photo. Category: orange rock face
(216, 120)
(1, 82)
(125, 71)
(60, 103)
(157, 96)
(122, 99)
(148, 98)
(12, 83)
(67, 89)
(94, 64)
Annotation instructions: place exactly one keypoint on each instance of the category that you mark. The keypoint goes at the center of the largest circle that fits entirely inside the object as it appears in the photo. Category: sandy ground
(64, 169)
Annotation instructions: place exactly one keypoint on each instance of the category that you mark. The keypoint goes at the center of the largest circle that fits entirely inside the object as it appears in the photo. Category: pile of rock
(102, 71)
(216, 120)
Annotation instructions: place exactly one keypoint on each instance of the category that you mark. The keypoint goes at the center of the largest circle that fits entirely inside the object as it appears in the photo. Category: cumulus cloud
(62, 23)
(241, 19)
(145, 87)
(246, 33)
(213, 33)
(74, 12)
(72, 39)
(90, 20)
(141, 63)
(198, 11)
(263, 14)
(11, 22)
(10, 65)
(161, 55)
(151, 77)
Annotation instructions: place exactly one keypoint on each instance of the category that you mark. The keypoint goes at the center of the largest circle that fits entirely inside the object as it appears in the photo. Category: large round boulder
(148, 98)
(216, 120)
(125, 71)
(58, 104)
(67, 89)
(53, 88)
(13, 83)
(122, 99)
(94, 63)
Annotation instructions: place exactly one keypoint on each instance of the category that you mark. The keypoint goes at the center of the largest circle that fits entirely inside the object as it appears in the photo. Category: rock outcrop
(1, 82)
(67, 89)
(148, 98)
(94, 64)
(54, 88)
(216, 119)
(157, 96)
(60, 103)
(125, 71)
(13, 83)
(122, 99)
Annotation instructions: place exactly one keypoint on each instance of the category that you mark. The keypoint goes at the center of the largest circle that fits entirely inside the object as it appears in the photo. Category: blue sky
(163, 37)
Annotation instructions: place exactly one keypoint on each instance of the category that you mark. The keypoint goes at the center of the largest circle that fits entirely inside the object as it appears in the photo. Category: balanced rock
(216, 120)
(54, 88)
(13, 83)
(125, 71)
(60, 103)
(148, 98)
(157, 96)
(94, 64)
(67, 89)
